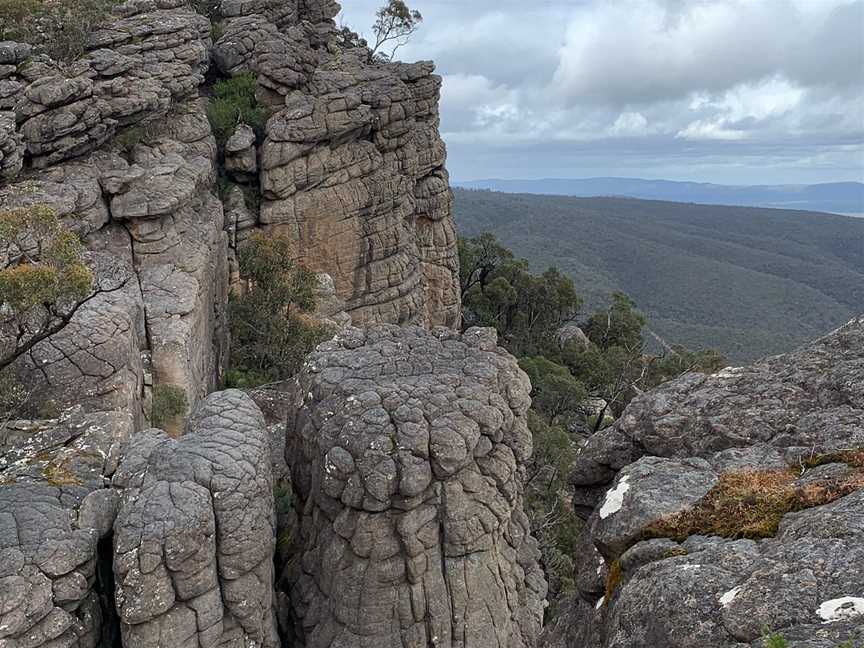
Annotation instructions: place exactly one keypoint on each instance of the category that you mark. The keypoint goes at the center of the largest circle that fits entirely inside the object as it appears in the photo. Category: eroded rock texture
(119, 145)
(194, 540)
(407, 454)
(56, 518)
(352, 167)
(667, 452)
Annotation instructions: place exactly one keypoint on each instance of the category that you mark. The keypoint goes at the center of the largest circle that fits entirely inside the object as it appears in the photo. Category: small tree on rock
(271, 329)
(395, 23)
(44, 281)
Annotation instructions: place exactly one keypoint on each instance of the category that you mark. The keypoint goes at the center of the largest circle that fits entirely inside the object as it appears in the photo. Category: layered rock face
(352, 166)
(407, 454)
(118, 143)
(795, 420)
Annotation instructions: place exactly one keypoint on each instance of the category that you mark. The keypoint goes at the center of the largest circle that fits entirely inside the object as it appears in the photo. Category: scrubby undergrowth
(751, 504)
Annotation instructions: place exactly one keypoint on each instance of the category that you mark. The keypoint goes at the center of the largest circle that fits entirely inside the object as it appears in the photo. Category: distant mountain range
(835, 197)
(744, 280)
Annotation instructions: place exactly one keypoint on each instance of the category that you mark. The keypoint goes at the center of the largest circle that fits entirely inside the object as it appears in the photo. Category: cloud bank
(760, 91)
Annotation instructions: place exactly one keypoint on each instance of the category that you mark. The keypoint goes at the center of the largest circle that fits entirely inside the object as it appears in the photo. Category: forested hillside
(746, 281)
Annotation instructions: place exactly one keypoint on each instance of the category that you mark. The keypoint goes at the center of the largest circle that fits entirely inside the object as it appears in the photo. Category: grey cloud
(716, 90)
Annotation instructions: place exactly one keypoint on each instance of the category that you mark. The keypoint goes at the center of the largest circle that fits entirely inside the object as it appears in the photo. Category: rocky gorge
(380, 503)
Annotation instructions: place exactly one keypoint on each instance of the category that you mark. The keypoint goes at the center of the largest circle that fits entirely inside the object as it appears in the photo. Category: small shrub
(57, 474)
(169, 402)
(12, 394)
(58, 29)
(271, 330)
(217, 30)
(234, 102)
(774, 640)
(209, 8)
(751, 504)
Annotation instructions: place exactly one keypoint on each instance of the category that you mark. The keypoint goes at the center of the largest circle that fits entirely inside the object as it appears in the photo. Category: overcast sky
(729, 91)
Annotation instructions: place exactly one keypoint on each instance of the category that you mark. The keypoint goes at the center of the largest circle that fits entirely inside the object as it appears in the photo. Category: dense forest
(745, 281)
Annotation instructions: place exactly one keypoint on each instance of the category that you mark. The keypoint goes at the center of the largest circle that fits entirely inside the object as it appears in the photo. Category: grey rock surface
(810, 400)
(56, 517)
(194, 540)
(407, 454)
(644, 492)
(665, 454)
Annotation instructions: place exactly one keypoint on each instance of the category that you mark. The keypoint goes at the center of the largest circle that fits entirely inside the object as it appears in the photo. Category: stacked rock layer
(407, 453)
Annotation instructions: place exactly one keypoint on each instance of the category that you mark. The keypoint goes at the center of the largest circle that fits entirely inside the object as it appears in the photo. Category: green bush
(169, 402)
(233, 103)
(271, 329)
(58, 29)
(774, 640)
(12, 394)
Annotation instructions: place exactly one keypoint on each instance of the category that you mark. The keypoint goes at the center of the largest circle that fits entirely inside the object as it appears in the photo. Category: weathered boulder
(142, 64)
(793, 422)
(56, 516)
(407, 454)
(241, 156)
(194, 540)
(644, 492)
(809, 401)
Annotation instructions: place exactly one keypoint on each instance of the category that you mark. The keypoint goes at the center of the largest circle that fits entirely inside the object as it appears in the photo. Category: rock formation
(118, 143)
(352, 166)
(408, 453)
(796, 422)
(56, 518)
(194, 540)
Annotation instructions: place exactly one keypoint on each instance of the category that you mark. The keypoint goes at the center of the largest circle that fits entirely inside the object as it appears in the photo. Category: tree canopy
(271, 330)
(580, 382)
(395, 23)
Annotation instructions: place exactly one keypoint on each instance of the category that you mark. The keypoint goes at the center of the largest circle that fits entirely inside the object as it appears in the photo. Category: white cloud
(630, 123)
(714, 87)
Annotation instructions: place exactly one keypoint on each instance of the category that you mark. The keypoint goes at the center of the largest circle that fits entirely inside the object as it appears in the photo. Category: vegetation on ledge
(751, 504)
(58, 29)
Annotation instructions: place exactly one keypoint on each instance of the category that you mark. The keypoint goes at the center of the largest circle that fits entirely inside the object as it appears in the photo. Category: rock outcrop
(352, 165)
(195, 537)
(407, 454)
(56, 517)
(793, 427)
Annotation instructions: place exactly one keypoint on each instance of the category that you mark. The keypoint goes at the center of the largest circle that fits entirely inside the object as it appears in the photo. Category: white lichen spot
(729, 596)
(728, 372)
(600, 603)
(615, 498)
(689, 567)
(841, 609)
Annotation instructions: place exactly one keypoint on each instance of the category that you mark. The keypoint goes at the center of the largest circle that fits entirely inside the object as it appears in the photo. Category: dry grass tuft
(751, 504)
(613, 580)
(853, 457)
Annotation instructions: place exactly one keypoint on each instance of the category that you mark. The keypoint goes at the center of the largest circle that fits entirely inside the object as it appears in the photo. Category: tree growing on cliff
(395, 23)
(500, 291)
(271, 329)
(44, 281)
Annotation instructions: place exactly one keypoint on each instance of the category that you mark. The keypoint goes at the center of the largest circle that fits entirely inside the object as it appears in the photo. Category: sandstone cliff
(118, 143)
